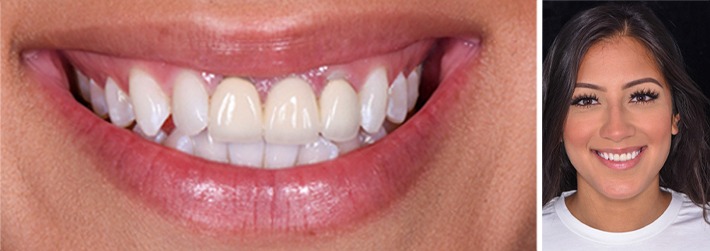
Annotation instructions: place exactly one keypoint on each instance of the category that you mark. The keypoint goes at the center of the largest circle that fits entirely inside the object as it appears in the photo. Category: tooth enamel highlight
(120, 109)
(397, 100)
(247, 154)
(207, 148)
(235, 112)
(339, 111)
(291, 113)
(373, 100)
(180, 141)
(413, 87)
(190, 103)
(98, 99)
(279, 156)
(84, 88)
(318, 151)
(151, 105)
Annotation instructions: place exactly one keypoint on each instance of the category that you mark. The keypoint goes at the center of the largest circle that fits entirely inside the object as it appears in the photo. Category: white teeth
(235, 112)
(413, 87)
(207, 148)
(159, 137)
(619, 157)
(180, 141)
(190, 103)
(152, 106)
(373, 100)
(339, 111)
(397, 106)
(120, 109)
(279, 156)
(84, 88)
(348, 146)
(247, 154)
(371, 138)
(291, 113)
(98, 99)
(317, 151)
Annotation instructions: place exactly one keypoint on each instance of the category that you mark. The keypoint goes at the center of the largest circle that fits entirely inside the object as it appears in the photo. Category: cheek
(578, 132)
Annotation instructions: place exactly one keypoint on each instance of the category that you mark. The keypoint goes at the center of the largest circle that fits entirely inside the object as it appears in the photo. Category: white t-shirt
(680, 227)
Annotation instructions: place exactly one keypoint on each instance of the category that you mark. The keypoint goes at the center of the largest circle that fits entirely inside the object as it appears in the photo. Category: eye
(643, 96)
(585, 100)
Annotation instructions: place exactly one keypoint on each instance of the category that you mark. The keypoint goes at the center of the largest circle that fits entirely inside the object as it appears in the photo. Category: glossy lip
(226, 199)
(620, 165)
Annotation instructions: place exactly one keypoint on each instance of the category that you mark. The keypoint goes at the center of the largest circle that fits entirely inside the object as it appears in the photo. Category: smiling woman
(625, 138)
(267, 125)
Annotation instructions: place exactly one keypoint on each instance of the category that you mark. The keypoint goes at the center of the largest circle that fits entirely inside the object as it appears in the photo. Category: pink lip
(231, 199)
(620, 165)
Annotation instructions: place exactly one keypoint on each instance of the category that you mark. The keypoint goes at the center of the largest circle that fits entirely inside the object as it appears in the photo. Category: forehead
(617, 61)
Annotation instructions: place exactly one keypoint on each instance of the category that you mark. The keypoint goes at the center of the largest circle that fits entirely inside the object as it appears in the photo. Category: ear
(674, 124)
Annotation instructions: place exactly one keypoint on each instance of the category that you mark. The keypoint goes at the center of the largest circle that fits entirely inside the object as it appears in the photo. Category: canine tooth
(397, 100)
(190, 103)
(207, 148)
(159, 137)
(235, 112)
(98, 99)
(247, 154)
(317, 151)
(413, 87)
(180, 141)
(151, 105)
(84, 88)
(120, 109)
(370, 138)
(373, 100)
(339, 111)
(291, 113)
(279, 156)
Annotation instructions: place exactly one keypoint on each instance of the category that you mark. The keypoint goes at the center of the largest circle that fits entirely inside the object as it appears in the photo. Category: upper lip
(269, 46)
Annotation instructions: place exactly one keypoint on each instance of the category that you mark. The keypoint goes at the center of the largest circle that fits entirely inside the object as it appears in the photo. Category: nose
(617, 125)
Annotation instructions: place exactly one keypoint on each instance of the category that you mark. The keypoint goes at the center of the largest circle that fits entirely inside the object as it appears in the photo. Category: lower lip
(620, 165)
(225, 199)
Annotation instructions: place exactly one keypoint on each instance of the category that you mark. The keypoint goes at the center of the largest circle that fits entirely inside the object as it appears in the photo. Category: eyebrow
(626, 86)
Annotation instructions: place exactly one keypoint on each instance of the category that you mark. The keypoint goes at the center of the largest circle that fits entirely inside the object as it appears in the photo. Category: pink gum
(101, 67)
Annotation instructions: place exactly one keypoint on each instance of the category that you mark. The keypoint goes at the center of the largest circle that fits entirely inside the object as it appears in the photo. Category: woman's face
(619, 126)
(458, 174)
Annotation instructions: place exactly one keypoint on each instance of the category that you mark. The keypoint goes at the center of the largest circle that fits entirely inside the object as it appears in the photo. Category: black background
(689, 22)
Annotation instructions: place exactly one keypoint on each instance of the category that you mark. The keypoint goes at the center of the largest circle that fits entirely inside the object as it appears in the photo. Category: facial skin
(481, 193)
(610, 115)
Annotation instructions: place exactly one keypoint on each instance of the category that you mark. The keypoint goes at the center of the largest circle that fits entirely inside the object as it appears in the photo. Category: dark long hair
(686, 169)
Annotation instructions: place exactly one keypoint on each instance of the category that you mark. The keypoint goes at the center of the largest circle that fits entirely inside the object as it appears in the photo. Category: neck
(617, 215)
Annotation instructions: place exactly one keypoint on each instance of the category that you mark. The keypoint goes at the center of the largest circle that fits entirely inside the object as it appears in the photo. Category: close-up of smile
(259, 132)
(620, 159)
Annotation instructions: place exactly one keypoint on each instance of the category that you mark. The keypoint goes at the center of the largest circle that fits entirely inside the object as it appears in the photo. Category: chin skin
(480, 191)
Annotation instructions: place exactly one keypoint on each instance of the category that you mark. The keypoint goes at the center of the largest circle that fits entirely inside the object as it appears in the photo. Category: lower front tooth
(207, 148)
(247, 154)
(279, 156)
(119, 105)
(98, 99)
(371, 138)
(159, 137)
(318, 151)
(292, 115)
(180, 141)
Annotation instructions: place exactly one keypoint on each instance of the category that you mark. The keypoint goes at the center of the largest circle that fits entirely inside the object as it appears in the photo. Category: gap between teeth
(619, 157)
(233, 125)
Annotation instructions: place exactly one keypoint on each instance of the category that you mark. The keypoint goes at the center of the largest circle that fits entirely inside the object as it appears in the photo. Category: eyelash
(641, 96)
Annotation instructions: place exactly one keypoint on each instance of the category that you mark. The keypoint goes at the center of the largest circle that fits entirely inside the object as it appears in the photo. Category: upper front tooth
(235, 112)
(373, 100)
(119, 105)
(98, 99)
(291, 113)
(190, 103)
(397, 106)
(413, 87)
(339, 111)
(152, 106)
(84, 88)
